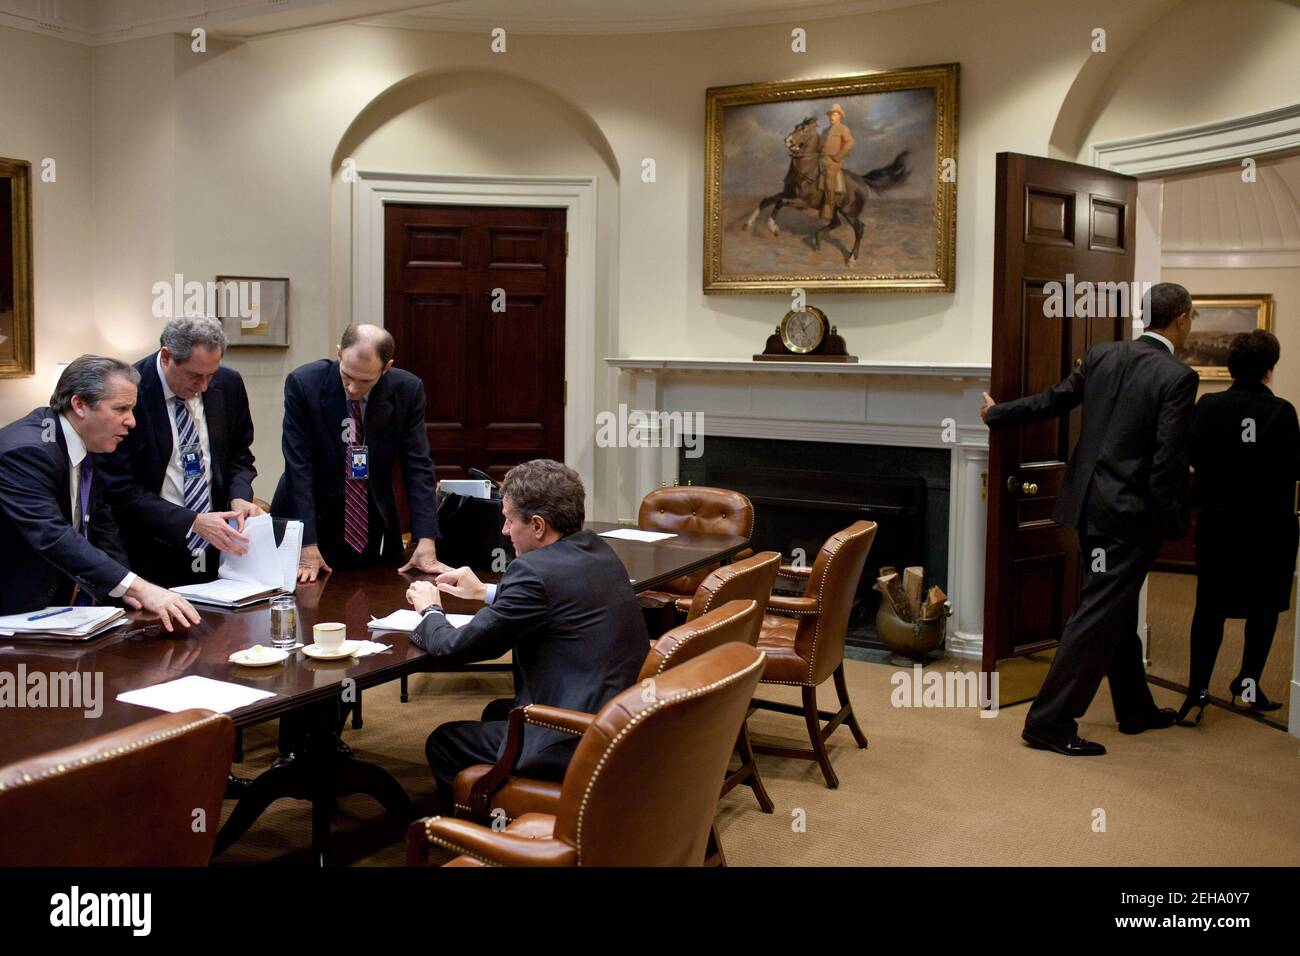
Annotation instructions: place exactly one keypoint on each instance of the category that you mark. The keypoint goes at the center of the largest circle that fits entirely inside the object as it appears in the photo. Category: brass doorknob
(1014, 484)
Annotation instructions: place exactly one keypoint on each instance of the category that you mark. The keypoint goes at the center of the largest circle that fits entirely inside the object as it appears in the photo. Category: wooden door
(1054, 219)
(474, 297)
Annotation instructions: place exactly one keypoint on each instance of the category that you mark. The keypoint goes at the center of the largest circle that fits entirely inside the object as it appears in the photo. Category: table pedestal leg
(320, 768)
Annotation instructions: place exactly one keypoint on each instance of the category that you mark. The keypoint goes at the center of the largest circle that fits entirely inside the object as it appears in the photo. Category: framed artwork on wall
(1217, 319)
(835, 185)
(17, 352)
(254, 311)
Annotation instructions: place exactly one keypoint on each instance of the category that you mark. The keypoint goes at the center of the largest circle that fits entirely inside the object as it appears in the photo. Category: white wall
(257, 130)
(45, 111)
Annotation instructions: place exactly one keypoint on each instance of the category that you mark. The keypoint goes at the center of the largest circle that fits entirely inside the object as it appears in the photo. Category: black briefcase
(471, 529)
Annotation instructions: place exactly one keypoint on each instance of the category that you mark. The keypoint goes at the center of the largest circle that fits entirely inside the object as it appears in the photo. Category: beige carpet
(938, 787)
(1171, 599)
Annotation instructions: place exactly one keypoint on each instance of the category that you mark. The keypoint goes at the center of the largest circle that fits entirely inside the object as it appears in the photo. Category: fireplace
(803, 492)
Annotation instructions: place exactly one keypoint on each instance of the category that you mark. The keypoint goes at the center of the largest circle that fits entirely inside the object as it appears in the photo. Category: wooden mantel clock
(805, 336)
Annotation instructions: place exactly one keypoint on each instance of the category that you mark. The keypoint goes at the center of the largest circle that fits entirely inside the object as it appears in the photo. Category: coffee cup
(329, 636)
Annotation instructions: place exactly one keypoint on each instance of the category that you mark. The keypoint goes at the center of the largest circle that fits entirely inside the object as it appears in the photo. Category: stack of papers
(63, 623)
(407, 620)
(260, 573)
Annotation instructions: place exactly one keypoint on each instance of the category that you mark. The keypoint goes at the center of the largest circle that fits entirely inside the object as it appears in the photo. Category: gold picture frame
(17, 325)
(1217, 319)
(760, 152)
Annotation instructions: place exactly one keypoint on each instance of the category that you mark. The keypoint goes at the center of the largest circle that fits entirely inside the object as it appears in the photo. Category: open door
(1056, 222)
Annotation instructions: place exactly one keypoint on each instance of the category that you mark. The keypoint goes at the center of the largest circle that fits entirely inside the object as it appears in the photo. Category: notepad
(407, 620)
(263, 571)
(68, 624)
(195, 691)
(636, 534)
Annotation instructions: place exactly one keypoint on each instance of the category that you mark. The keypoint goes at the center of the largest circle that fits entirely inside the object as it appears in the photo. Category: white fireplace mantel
(914, 404)
(957, 372)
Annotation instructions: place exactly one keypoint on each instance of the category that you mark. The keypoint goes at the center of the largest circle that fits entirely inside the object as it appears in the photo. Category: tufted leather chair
(642, 787)
(483, 788)
(692, 510)
(803, 638)
(748, 580)
(124, 799)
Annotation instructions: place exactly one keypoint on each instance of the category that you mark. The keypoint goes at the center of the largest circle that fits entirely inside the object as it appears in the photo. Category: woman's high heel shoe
(1197, 699)
(1261, 702)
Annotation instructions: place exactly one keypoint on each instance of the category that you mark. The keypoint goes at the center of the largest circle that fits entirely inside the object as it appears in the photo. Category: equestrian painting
(846, 184)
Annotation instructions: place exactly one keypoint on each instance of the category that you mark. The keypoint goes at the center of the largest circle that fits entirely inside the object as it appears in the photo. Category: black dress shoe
(1156, 720)
(1069, 746)
(235, 786)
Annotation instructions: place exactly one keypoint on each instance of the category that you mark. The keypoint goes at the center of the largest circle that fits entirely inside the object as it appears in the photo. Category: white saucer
(346, 649)
(275, 656)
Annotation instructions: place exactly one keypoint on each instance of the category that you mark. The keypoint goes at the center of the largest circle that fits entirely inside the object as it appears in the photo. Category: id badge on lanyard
(358, 461)
(192, 460)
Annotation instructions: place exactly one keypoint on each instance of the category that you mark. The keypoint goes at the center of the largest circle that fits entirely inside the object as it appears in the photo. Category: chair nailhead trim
(653, 708)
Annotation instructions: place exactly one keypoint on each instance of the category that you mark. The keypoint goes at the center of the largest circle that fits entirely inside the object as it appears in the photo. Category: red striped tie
(356, 511)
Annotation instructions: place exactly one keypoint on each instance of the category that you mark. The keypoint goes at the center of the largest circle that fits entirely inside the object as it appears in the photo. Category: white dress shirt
(76, 455)
(1160, 338)
(173, 487)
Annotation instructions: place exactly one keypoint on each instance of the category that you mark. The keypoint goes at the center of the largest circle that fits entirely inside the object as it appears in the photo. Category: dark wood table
(142, 654)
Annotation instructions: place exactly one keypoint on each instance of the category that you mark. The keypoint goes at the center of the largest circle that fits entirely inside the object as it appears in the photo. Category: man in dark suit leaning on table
(1124, 491)
(346, 422)
(59, 543)
(565, 608)
(187, 466)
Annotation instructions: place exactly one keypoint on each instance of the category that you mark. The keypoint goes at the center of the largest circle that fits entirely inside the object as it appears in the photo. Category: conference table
(322, 768)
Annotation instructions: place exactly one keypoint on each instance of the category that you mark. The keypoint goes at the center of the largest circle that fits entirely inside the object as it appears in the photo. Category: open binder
(269, 566)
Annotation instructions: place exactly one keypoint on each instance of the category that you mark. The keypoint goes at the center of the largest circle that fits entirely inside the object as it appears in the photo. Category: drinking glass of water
(284, 622)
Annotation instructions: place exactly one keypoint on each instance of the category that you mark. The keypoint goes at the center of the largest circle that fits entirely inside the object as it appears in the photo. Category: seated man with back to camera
(564, 606)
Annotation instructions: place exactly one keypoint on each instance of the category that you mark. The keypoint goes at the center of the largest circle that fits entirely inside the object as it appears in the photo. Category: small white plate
(346, 649)
(273, 655)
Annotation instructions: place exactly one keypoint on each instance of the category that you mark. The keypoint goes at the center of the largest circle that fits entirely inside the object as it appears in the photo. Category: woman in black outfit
(1246, 452)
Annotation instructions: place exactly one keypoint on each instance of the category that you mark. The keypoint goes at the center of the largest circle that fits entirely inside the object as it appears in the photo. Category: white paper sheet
(260, 564)
(290, 549)
(469, 487)
(636, 534)
(222, 591)
(195, 691)
(406, 621)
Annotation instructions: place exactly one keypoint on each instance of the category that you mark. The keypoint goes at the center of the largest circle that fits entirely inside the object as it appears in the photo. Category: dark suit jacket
(1132, 450)
(569, 614)
(311, 489)
(1246, 533)
(154, 530)
(41, 554)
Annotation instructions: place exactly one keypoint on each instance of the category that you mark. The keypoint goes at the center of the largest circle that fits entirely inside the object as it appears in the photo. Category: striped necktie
(356, 511)
(197, 496)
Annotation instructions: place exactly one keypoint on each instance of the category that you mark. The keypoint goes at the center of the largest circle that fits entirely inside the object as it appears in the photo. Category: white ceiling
(1218, 213)
(98, 22)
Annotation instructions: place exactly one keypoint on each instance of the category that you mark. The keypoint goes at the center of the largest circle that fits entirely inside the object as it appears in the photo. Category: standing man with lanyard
(186, 469)
(346, 422)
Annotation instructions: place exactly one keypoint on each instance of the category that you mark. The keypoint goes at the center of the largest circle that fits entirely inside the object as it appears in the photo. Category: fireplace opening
(803, 492)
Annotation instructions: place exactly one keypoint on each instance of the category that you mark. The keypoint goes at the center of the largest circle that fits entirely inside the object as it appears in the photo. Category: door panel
(494, 377)
(1053, 219)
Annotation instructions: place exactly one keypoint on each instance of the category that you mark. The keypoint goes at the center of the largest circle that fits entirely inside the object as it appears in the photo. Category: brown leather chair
(484, 789)
(807, 647)
(642, 787)
(124, 799)
(692, 509)
(748, 580)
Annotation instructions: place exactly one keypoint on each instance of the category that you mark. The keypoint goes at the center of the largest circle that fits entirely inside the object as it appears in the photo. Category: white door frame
(371, 191)
(1174, 151)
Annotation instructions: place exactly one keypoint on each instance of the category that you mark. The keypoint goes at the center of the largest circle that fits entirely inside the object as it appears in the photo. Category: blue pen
(37, 617)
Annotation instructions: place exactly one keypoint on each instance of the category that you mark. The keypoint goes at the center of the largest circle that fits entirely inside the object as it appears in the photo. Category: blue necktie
(196, 493)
